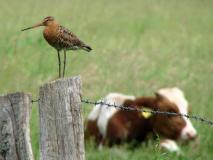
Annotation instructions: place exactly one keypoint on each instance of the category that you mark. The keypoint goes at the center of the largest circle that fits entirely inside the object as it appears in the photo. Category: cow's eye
(172, 110)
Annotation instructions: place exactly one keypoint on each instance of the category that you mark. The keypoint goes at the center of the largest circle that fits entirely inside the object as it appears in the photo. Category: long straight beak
(36, 25)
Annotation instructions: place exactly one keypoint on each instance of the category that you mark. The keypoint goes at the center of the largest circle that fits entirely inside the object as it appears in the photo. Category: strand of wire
(35, 100)
(195, 117)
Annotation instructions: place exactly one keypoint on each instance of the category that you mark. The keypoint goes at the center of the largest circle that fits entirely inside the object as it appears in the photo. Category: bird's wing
(68, 40)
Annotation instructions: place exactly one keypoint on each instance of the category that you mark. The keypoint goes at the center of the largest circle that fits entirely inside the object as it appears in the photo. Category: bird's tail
(86, 48)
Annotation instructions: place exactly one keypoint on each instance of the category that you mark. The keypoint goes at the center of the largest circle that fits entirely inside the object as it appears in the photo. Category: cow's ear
(158, 95)
(128, 103)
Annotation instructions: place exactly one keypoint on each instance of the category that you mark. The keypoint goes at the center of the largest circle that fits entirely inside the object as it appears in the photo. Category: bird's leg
(59, 64)
(64, 63)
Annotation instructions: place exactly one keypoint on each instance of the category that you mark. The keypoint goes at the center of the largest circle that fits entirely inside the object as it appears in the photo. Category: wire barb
(36, 100)
(195, 117)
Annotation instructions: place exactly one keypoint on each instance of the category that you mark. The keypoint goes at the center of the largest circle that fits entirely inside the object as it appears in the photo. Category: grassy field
(138, 47)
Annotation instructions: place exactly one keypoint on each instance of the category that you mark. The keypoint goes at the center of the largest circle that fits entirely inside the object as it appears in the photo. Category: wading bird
(60, 38)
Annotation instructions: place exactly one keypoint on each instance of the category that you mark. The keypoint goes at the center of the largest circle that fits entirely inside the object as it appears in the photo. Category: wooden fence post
(61, 123)
(15, 112)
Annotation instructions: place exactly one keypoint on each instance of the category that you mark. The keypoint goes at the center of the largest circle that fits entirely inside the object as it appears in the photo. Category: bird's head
(48, 21)
(45, 22)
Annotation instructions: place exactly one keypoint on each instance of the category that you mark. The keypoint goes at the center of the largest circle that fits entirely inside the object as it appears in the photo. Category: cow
(110, 125)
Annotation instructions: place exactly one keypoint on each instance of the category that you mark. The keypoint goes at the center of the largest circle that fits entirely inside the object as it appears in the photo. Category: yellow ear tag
(147, 114)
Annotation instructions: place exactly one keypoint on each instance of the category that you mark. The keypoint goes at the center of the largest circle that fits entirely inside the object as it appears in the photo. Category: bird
(60, 38)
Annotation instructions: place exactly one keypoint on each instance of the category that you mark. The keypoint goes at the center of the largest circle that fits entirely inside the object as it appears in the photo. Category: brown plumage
(60, 38)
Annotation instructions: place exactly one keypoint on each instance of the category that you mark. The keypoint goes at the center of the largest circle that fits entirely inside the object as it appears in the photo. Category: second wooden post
(61, 123)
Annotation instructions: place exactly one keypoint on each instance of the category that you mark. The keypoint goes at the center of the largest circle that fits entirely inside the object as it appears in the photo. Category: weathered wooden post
(61, 124)
(14, 127)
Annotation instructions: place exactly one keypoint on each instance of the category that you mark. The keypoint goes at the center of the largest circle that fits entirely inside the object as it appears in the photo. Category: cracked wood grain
(15, 141)
(61, 123)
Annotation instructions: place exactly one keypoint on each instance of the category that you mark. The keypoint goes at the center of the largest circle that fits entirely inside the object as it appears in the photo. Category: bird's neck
(50, 30)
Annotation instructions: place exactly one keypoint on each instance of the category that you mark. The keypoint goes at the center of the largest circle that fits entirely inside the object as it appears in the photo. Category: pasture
(138, 47)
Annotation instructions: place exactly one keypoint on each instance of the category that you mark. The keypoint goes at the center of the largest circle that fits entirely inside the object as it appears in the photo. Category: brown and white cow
(109, 125)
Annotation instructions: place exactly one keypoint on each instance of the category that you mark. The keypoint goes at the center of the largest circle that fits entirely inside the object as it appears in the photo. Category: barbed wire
(35, 100)
(195, 117)
(127, 108)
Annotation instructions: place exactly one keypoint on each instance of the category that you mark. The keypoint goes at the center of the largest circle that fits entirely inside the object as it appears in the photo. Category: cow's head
(174, 127)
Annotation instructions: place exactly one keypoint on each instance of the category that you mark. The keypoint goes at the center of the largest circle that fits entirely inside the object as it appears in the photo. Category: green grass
(138, 47)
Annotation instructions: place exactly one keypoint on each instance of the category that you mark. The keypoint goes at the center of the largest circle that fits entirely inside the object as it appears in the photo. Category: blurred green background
(138, 46)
